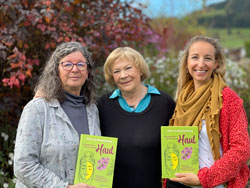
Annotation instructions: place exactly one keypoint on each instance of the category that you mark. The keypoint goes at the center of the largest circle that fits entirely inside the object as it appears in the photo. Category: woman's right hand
(80, 185)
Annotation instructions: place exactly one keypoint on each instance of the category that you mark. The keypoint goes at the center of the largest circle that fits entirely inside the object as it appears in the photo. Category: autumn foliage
(30, 30)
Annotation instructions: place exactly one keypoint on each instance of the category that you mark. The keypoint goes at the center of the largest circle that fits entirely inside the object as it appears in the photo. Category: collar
(151, 90)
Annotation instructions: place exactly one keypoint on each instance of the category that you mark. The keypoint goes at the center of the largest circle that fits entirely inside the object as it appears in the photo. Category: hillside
(228, 14)
(233, 38)
(228, 21)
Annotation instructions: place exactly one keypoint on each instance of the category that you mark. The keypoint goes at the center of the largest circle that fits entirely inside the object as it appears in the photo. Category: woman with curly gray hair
(48, 132)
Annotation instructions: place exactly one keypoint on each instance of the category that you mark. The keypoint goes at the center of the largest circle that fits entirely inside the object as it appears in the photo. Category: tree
(30, 30)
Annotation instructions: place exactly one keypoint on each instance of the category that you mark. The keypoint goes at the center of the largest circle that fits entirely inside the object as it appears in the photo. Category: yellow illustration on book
(86, 170)
(171, 159)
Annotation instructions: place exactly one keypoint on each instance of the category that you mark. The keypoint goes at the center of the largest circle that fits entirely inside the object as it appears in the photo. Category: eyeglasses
(68, 66)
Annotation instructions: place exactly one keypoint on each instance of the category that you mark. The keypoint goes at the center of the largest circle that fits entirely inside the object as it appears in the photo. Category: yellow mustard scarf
(205, 103)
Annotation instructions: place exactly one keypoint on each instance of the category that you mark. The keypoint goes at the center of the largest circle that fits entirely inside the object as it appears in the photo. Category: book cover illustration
(179, 150)
(96, 161)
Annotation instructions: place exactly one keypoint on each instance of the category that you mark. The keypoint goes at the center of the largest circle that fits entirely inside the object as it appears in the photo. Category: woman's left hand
(189, 179)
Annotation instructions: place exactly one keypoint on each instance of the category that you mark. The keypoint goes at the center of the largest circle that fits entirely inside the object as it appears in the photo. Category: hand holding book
(189, 179)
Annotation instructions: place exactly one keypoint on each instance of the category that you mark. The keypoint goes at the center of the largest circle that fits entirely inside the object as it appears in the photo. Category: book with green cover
(179, 150)
(96, 161)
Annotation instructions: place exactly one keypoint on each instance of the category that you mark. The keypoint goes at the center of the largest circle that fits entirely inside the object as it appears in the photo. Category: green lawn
(233, 39)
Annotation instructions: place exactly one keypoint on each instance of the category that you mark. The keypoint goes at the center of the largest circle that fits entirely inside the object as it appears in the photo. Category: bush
(238, 78)
(164, 73)
(30, 31)
(7, 138)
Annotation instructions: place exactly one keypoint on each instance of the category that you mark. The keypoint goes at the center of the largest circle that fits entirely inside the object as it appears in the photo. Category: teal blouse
(143, 103)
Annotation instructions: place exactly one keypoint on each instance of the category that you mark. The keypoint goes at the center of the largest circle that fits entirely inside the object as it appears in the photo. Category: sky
(172, 8)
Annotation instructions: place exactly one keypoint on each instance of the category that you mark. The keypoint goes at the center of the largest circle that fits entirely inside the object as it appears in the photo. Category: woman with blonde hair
(134, 113)
(205, 100)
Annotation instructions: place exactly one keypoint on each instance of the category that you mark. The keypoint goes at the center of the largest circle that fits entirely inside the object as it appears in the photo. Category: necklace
(134, 101)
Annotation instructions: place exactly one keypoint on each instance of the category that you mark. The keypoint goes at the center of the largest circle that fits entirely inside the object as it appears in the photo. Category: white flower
(235, 74)
(5, 136)
(11, 156)
(14, 180)
(5, 185)
(10, 162)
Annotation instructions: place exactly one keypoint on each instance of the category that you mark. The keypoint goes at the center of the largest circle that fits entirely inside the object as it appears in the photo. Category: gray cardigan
(47, 144)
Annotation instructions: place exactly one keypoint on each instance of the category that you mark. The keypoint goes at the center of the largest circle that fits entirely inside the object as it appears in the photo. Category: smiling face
(126, 75)
(201, 62)
(73, 80)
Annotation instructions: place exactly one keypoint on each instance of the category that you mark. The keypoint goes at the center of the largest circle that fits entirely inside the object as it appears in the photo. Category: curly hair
(184, 75)
(49, 82)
